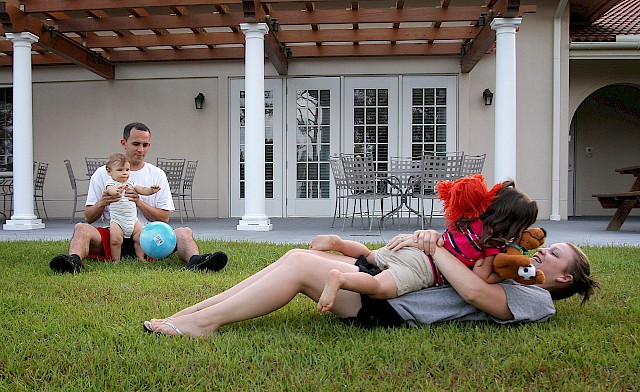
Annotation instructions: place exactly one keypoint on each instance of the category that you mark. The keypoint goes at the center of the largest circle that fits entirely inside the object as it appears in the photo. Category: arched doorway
(604, 135)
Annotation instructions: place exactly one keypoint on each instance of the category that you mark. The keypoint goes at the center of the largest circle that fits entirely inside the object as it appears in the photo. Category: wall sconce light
(288, 53)
(487, 95)
(199, 101)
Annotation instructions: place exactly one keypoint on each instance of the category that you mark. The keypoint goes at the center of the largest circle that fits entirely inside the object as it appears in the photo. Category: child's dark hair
(115, 160)
(510, 213)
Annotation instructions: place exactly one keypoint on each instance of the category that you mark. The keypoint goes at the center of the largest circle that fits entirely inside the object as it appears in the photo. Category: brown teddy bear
(514, 264)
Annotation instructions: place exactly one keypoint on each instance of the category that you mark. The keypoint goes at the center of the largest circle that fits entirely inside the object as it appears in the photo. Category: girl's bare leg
(297, 272)
(258, 275)
(346, 247)
(381, 286)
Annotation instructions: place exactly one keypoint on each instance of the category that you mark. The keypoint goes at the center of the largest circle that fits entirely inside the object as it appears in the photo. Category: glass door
(313, 135)
(371, 118)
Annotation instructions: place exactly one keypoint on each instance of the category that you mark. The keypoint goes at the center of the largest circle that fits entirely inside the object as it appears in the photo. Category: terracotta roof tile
(621, 19)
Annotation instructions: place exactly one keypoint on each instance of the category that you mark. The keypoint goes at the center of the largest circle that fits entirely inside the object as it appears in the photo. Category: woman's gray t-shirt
(527, 303)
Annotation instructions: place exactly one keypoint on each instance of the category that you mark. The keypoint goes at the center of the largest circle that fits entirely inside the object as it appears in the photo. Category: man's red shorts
(126, 250)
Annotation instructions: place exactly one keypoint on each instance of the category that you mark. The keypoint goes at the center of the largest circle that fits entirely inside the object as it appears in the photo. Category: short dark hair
(137, 125)
(116, 159)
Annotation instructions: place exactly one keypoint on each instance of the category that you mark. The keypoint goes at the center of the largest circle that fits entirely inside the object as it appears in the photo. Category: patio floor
(582, 231)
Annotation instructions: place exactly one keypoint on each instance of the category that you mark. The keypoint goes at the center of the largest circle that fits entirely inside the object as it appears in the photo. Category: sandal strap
(172, 325)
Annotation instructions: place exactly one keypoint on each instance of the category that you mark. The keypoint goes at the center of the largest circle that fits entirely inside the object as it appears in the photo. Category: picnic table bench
(623, 202)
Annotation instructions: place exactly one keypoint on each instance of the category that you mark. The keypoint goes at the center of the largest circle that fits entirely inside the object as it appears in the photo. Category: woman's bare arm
(489, 298)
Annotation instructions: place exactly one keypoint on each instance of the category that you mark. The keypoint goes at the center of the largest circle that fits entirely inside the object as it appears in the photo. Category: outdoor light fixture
(288, 53)
(488, 96)
(483, 19)
(199, 101)
(53, 30)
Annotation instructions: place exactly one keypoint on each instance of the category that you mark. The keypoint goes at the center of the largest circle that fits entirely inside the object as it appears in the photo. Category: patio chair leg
(184, 204)
(372, 216)
(73, 211)
(193, 210)
(335, 211)
(179, 210)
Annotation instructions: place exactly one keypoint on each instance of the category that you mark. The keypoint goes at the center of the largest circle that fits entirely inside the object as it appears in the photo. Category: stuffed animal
(514, 264)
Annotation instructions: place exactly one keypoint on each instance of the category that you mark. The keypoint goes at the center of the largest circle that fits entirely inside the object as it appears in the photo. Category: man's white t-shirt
(147, 176)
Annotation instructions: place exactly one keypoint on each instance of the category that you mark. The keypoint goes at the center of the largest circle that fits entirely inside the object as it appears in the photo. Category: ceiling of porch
(100, 34)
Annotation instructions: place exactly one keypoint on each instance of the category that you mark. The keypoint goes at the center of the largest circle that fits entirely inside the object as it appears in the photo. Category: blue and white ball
(158, 240)
(528, 272)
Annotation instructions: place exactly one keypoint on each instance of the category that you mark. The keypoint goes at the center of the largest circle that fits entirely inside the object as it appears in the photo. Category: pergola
(100, 34)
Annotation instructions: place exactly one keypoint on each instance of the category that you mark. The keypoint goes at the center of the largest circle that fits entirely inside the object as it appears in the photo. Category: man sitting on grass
(91, 241)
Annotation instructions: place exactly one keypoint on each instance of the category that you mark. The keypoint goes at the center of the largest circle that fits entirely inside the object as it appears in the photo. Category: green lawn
(84, 332)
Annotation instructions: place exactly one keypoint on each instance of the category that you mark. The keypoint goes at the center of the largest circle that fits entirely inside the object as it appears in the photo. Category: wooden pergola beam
(486, 37)
(37, 6)
(426, 49)
(405, 15)
(359, 35)
(14, 20)
(182, 39)
(151, 22)
(254, 13)
(284, 36)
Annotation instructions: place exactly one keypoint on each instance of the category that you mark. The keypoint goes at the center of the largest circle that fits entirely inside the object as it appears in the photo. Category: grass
(84, 332)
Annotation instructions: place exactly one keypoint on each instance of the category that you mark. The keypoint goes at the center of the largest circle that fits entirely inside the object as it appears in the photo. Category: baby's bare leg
(115, 241)
(135, 234)
(381, 286)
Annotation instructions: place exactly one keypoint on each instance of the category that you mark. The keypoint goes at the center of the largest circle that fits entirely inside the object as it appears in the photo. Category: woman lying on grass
(468, 297)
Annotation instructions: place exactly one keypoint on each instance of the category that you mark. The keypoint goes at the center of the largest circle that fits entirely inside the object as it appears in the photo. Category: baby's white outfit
(123, 212)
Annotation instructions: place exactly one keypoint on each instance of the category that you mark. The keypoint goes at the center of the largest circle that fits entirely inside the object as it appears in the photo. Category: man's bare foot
(326, 242)
(331, 287)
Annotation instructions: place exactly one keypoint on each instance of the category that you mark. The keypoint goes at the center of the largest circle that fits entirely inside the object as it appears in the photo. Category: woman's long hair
(582, 283)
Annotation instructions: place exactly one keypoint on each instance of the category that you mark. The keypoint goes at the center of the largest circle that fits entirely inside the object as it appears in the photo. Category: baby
(124, 213)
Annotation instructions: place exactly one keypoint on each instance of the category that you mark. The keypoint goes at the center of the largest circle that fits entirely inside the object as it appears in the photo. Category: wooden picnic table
(623, 202)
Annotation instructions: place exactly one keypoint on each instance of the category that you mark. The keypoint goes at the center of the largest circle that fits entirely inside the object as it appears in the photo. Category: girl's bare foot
(177, 327)
(331, 287)
(325, 242)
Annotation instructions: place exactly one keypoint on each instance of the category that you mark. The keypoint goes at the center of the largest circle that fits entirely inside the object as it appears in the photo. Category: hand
(132, 195)
(108, 199)
(400, 241)
(427, 240)
(155, 188)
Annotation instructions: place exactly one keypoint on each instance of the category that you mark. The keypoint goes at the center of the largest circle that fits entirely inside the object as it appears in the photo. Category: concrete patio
(582, 231)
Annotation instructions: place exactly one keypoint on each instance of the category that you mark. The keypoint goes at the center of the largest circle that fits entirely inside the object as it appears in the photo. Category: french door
(371, 118)
(310, 119)
(313, 135)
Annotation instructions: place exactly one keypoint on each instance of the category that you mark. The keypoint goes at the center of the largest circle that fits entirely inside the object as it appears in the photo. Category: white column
(505, 98)
(254, 217)
(23, 217)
